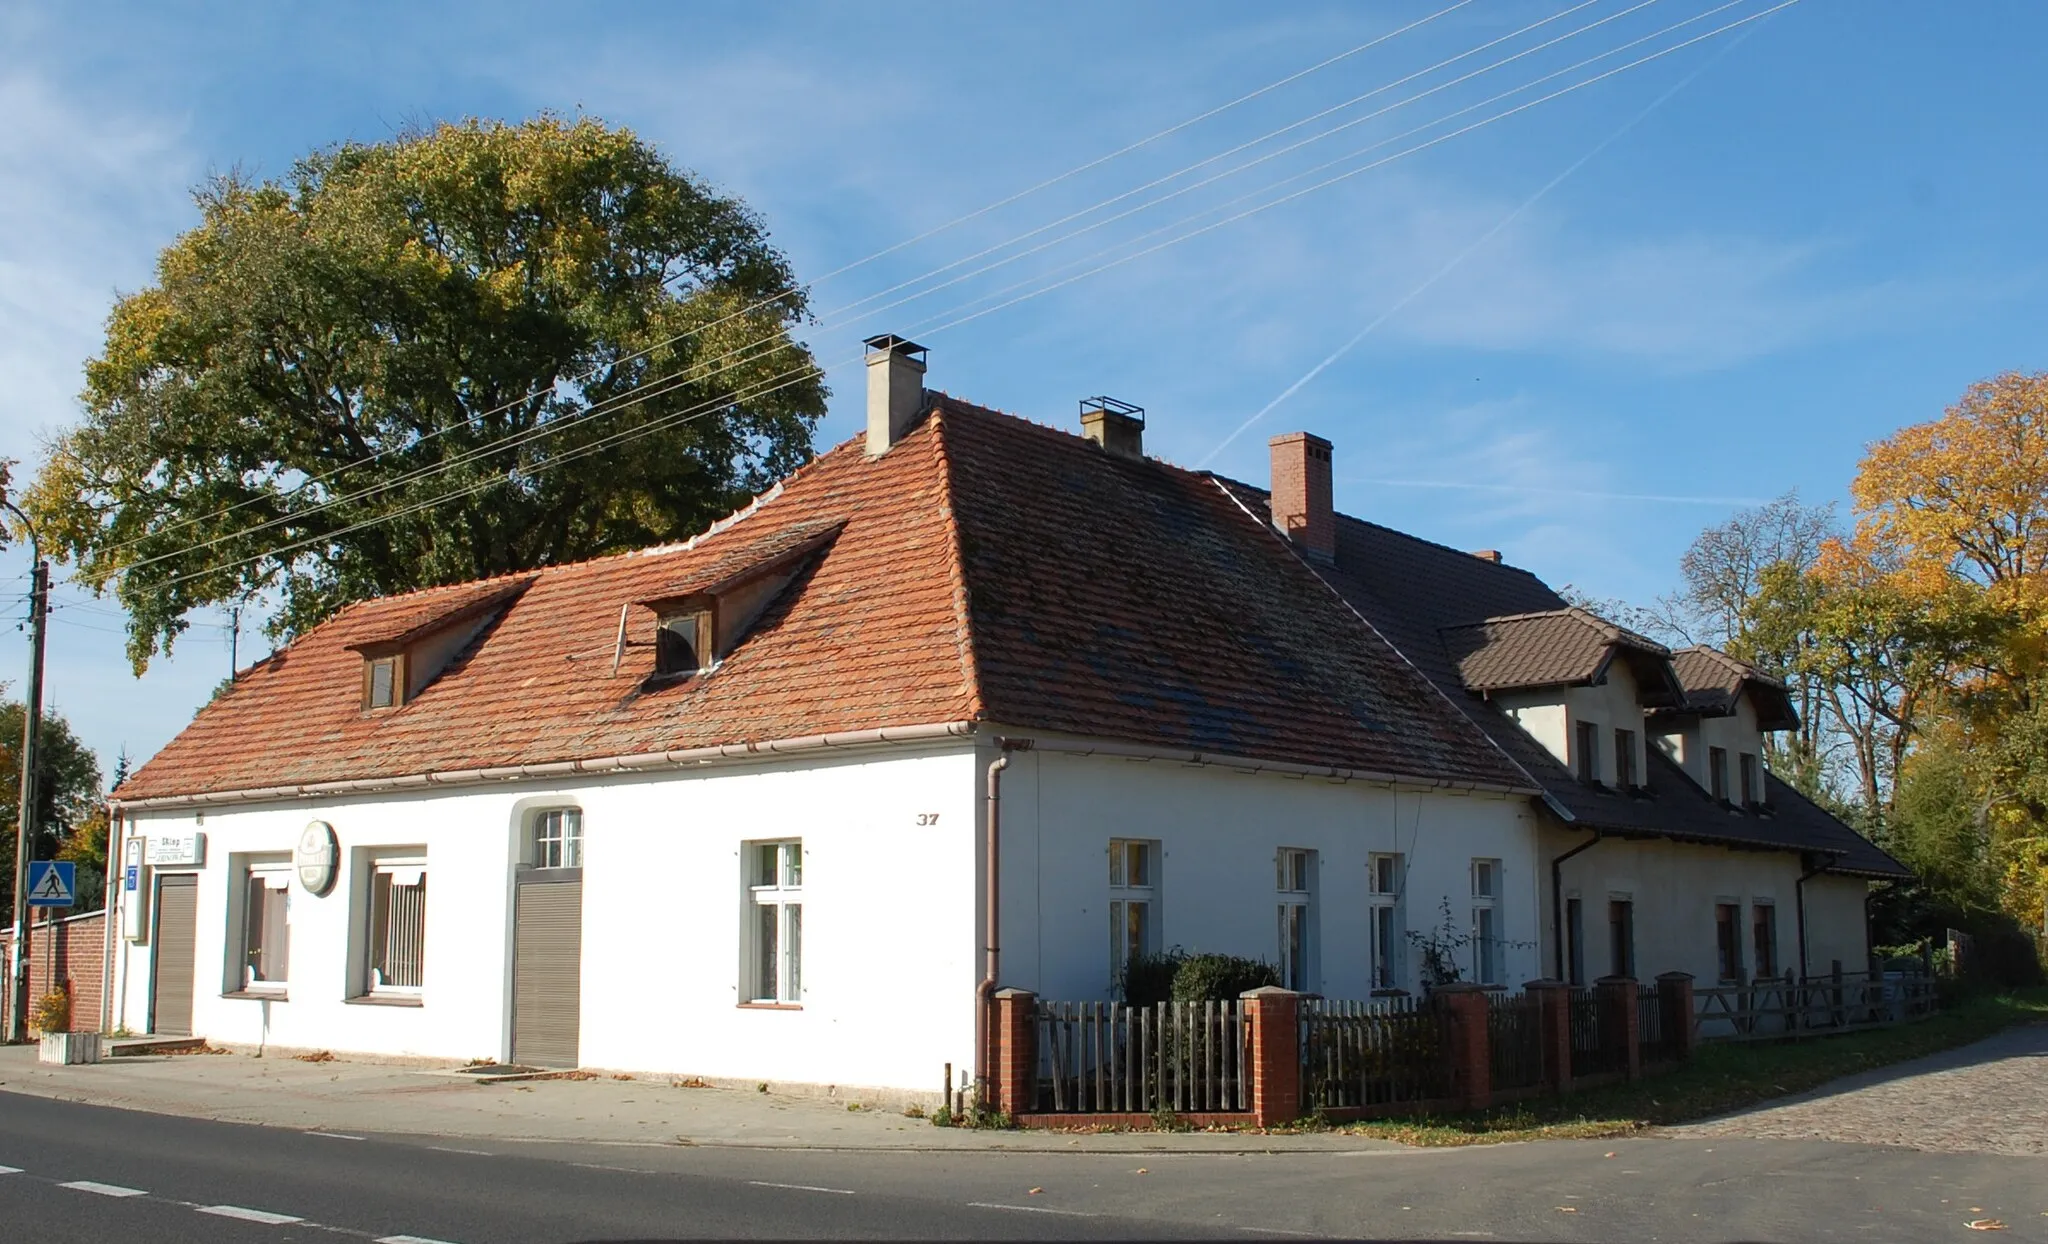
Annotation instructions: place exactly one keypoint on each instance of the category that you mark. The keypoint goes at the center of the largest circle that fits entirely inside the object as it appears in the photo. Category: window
(775, 923)
(1621, 937)
(1763, 918)
(266, 931)
(1625, 759)
(1728, 939)
(398, 927)
(1589, 752)
(383, 689)
(1486, 966)
(1717, 772)
(1750, 788)
(1133, 896)
(1575, 941)
(1383, 894)
(680, 643)
(558, 839)
(1297, 917)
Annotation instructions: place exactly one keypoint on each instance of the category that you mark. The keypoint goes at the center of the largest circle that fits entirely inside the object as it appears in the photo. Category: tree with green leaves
(417, 362)
(68, 793)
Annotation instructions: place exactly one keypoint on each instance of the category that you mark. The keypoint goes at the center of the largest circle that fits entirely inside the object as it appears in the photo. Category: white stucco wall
(1219, 833)
(1552, 716)
(1689, 745)
(889, 921)
(1675, 888)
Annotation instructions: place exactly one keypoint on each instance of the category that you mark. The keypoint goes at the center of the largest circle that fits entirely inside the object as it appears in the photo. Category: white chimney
(895, 389)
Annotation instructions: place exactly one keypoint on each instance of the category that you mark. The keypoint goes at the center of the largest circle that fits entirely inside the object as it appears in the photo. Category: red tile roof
(1552, 648)
(985, 569)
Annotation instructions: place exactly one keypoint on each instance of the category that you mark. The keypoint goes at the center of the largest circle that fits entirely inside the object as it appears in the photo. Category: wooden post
(1674, 997)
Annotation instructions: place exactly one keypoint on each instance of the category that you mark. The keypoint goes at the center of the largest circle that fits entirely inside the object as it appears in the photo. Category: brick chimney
(895, 389)
(1302, 508)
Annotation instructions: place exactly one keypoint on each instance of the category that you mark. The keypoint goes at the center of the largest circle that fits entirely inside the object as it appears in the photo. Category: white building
(724, 807)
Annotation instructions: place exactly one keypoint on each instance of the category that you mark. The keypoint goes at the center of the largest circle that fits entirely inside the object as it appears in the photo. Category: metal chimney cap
(890, 343)
(1113, 406)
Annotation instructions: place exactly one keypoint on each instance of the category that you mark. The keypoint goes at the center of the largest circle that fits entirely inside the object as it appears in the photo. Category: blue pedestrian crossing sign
(52, 883)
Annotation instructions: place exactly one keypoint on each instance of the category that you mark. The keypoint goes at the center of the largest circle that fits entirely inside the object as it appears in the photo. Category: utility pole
(24, 821)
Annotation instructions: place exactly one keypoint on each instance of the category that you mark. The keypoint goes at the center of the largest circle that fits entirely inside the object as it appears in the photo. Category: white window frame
(556, 839)
(1295, 880)
(395, 873)
(1129, 857)
(1385, 935)
(274, 879)
(1487, 965)
(773, 923)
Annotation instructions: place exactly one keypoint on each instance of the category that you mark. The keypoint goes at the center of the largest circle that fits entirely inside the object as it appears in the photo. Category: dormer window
(1589, 751)
(682, 642)
(384, 685)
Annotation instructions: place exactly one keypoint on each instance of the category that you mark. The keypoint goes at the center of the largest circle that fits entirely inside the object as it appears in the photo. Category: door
(171, 969)
(547, 966)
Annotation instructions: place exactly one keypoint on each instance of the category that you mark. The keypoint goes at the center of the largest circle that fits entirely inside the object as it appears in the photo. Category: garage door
(547, 967)
(177, 925)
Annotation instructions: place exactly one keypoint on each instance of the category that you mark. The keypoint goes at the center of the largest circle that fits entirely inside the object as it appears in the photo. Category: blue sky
(1830, 230)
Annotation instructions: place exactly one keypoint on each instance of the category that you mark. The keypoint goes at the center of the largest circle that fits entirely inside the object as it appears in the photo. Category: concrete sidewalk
(362, 1098)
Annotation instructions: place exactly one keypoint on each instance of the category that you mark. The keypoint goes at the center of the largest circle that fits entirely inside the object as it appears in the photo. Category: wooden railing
(1773, 1009)
(1372, 1053)
(1110, 1057)
(1514, 1041)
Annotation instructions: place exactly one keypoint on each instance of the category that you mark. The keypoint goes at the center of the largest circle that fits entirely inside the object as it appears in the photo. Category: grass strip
(1722, 1077)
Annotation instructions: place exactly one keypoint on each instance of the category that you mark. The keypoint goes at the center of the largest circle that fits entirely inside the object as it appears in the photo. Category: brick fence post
(1621, 1023)
(1274, 1016)
(1470, 1055)
(1674, 997)
(1016, 1069)
(1553, 1000)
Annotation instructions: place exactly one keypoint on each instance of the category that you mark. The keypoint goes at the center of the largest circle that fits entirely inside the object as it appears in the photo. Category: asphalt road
(98, 1174)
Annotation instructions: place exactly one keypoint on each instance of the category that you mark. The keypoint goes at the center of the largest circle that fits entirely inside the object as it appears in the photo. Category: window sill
(386, 999)
(770, 1006)
(258, 995)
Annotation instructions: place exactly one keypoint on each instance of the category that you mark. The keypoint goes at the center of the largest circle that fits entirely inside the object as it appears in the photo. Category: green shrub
(1220, 978)
(1178, 976)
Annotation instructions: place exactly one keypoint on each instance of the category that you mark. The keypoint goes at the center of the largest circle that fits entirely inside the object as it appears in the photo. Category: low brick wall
(67, 954)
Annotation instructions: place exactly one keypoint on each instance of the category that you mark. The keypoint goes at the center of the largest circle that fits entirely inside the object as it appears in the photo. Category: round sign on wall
(315, 858)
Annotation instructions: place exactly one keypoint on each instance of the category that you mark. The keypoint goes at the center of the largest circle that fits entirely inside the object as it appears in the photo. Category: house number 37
(927, 818)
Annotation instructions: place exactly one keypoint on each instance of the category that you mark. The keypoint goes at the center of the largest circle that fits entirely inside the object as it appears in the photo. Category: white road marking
(475, 1153)
(87, 1185)
(406, 1239)
(10, 1170)
(336, 1136)
(1285, 1231)
(249, 1215)
(1032, 1209)
(762, 1183)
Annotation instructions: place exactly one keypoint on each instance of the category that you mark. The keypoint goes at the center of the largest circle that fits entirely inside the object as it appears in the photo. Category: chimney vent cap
(890, 343)
(1113, 406)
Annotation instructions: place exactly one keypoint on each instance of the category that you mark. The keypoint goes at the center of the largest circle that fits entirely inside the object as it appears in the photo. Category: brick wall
(1301, 504)
(68, 954)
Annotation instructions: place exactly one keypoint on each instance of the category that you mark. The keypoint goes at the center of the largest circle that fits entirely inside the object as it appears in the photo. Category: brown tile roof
(1714, 681)
(1414, 591)
(985, 569)
(1556, 647)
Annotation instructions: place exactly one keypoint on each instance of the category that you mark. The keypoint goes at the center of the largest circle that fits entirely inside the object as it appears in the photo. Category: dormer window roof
(698, 621)
(1715, 682)
(404, 652)
(1558, 648)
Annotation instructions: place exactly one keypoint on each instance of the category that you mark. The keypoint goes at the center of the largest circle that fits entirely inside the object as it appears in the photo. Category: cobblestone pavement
(1991, 1097)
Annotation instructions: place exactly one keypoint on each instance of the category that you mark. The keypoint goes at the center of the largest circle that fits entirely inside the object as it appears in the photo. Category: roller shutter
(547, 967)
(177, 924)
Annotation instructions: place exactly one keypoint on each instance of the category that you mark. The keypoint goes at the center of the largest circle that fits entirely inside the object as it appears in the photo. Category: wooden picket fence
(1372, 1053)
(1111, 1057)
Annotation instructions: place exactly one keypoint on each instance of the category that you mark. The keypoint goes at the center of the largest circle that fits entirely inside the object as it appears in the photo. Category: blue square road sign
(52, 883)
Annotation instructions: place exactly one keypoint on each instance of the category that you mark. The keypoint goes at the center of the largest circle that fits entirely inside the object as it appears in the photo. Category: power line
(779, 343)
(798, 375)
(936, 230)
